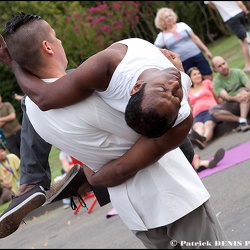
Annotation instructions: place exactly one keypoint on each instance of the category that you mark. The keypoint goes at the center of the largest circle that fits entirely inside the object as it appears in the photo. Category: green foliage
(95, 28)
(46, 9)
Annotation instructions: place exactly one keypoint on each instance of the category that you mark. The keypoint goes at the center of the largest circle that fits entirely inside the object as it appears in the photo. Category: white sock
(242, 120)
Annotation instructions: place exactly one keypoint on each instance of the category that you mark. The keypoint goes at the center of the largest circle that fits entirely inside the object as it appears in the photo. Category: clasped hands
(243, 96)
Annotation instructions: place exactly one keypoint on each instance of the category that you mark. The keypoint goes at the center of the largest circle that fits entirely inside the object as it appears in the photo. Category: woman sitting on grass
(201, 97)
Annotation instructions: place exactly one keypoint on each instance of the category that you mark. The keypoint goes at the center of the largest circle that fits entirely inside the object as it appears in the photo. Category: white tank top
(141, 55)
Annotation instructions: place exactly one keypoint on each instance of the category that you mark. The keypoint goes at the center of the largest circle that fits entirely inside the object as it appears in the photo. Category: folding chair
(88, 196)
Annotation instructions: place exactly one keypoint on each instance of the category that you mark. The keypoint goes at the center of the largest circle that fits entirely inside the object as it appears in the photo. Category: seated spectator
(199, 164)
(10, 126)
(201, 97)
(9, 169)
(233, 86)
(6, 193)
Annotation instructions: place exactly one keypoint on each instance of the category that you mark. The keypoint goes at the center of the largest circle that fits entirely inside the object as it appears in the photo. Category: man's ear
(46, 47)
(136, 87)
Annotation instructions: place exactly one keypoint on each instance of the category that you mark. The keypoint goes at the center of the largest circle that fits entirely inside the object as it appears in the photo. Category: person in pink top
(201, 97)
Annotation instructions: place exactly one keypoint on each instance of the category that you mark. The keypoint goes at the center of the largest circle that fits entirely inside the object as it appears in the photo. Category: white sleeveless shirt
(141, 55)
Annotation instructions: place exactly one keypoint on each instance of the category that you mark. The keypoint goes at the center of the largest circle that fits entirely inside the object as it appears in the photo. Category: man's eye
(161, 88)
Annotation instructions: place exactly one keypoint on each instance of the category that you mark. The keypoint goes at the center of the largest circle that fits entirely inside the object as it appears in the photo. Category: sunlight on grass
(229, 48)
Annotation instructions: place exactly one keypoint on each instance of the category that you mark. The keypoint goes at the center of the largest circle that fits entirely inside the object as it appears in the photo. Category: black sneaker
(19, 207)
(74, 183)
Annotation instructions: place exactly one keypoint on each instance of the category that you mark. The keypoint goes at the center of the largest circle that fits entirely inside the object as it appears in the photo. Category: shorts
(238, 25)
(200, 62)
(205, 228)
(203, 117)
(233, 107)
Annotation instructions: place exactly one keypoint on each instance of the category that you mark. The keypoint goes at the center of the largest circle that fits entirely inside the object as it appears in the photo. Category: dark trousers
(13, 143)
(34, 166)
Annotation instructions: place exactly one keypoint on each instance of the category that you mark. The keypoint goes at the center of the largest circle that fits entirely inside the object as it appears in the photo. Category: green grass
(55, 163)
(229, 48)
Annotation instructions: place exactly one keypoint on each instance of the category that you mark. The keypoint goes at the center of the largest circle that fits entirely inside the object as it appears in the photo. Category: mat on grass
(232, 157)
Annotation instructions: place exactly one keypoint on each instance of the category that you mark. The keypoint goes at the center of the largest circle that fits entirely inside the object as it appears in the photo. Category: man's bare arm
(142, 154)
(243, 7)
(64, 95)
(70, 88)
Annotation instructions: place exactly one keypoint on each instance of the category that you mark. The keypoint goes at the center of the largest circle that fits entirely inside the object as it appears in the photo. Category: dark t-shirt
(11, 127)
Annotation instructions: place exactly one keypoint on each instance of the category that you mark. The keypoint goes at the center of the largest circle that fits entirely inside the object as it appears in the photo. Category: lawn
(228, 47)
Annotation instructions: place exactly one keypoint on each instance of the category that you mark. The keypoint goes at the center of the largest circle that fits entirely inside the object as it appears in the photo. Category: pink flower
(105, 28)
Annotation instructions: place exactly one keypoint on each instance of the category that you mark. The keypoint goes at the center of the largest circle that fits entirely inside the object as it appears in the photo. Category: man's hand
(243, 96)
(173, 58)
(5, 56)
(88, 172)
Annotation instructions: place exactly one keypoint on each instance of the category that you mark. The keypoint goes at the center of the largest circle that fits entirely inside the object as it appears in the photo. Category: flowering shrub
(87, 31)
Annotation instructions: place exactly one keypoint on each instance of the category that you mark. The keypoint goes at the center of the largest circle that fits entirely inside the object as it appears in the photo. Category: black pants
(34, 166)
(13, 143)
